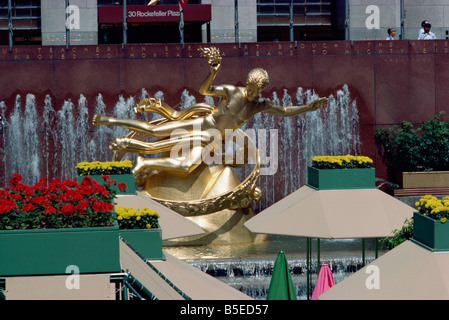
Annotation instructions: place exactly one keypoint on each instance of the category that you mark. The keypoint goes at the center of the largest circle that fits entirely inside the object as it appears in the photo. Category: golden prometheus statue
(182, 177)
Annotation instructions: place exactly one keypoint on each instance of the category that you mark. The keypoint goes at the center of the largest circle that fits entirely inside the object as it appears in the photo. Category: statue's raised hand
(213, 57)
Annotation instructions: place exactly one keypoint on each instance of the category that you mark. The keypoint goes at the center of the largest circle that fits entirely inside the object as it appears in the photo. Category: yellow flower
(103, 166)
(443, 220)
(136, 217)
(347, 161)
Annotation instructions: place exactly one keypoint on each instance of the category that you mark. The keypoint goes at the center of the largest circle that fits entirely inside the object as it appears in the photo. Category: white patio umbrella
(407, 272)
(333, 214)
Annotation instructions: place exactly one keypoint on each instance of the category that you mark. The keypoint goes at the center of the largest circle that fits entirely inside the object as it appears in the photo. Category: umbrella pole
(363, 252)
(308, 267)
(318, 255)
(376, 254)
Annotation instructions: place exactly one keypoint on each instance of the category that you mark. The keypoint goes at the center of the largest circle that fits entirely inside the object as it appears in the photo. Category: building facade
(370, 20)
(59, 22)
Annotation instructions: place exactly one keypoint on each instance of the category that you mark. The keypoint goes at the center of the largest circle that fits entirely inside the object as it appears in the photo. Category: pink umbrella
(324, 282)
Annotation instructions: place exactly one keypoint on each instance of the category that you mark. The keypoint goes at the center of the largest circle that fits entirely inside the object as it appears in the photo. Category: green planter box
(129, 179)
(328, 179)
(147, 242)
(430, 233)
(51, 251)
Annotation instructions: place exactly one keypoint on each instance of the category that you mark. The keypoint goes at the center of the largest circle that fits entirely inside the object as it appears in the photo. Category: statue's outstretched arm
(296, 110)
(214, 61)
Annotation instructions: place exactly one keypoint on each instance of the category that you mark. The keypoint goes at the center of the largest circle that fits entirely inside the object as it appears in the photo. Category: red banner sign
(157, 13)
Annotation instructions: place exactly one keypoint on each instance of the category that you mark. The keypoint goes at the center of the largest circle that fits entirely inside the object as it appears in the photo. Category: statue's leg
(181, 165)
(157, 130)
(202, 138)
(131, 124)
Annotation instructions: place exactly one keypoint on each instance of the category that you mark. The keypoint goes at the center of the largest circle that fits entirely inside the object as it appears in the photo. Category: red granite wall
(391, 81)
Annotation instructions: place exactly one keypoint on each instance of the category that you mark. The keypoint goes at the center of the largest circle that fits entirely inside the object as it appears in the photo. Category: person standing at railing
(391, 34)
(427, 34)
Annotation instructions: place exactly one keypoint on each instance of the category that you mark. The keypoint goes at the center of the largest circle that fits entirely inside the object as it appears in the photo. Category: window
(140, 2)
(311, 19)
(305, 12)
(25, 18)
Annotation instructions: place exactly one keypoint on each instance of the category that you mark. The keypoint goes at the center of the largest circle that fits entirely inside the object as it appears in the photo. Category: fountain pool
(248, 267)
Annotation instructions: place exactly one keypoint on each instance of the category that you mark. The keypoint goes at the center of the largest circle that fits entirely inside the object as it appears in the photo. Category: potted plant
(119, 173)
(140, 229)
(51, 225)
(341, 172)
(399, 235)
(430, 223)
(416, 158)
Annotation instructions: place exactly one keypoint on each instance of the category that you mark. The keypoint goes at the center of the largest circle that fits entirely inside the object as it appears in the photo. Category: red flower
(84, 190)
(69, 183)
(27, 207)
(84, 204)
(122, 187)
(63, 197)
(49, 209)
(27, 191)
(75, 195)
(16, 196)
(67, 209)
(50, 197)
(96, 206)
(41, 187)
(16, 178)
(102, 206)
(7, 205)
(87, 181)
(100, 189)
(107, 206)
(56, 197)
(105, 177)
(43, 180)
(111, 182)
(38, 200)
